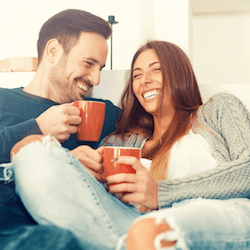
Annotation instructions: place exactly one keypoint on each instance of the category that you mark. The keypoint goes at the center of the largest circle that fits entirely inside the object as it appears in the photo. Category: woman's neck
(160, 127)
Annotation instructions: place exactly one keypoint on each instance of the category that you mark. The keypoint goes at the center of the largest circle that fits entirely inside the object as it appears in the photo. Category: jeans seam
(75, 163)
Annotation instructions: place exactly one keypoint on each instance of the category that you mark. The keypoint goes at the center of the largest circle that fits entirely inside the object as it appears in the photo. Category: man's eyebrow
(151, 64)
(91, 59)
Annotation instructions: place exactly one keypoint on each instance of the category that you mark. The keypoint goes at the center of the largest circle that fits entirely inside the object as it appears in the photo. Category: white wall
(173, 22)
(221, 45)
(217, 43)
(139, 20)
(22, 20)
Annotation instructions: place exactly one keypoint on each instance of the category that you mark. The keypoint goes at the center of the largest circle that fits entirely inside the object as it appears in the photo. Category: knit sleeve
(227, 116)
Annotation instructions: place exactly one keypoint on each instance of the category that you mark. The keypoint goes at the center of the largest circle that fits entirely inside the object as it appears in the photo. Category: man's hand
(59, 121)
(91, 159)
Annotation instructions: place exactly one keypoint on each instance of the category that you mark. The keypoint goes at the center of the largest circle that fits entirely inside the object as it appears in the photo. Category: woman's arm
(226, 115)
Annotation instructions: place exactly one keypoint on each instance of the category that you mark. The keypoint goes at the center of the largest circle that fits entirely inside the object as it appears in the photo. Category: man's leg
(38, 237)
(12, 211)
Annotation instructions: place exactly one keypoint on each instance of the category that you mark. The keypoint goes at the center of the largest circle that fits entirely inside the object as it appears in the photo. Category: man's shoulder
(10, 93)
(10, 90)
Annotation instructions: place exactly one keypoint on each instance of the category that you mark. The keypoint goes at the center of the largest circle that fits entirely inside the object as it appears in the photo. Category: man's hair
(66, 27)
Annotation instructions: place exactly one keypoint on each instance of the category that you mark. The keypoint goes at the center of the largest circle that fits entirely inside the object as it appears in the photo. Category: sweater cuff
(33, 128)
(164, 198)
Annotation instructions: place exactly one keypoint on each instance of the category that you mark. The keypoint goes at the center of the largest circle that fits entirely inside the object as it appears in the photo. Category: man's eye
(88, 64)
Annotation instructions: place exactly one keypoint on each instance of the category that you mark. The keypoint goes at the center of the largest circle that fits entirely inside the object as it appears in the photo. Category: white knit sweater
(225, 124)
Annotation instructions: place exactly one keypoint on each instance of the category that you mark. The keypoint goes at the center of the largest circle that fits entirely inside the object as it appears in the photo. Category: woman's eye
(136, 76)
(157, 69)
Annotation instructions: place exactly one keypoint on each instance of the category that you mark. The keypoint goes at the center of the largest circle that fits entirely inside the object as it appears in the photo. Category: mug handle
(101, 174)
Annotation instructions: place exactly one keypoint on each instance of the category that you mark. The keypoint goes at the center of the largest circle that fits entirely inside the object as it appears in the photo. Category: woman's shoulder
(223, 99)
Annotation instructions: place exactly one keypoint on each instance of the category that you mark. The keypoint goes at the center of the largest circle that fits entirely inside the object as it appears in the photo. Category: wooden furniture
(19, 64)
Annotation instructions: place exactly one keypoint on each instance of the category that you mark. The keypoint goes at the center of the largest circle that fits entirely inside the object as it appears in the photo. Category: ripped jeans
(56, 189)
(205, 224)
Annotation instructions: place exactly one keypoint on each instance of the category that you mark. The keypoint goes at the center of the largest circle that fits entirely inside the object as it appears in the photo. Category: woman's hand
(90, 159)
(138, 188)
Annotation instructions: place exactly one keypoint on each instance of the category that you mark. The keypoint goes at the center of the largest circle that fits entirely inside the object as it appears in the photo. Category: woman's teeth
(83, 87)
(151, 94)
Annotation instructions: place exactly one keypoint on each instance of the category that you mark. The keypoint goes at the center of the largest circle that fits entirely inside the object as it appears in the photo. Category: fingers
(122, 187)
(119, 178)
(59, 121)
(97, 175)
(100, 150)
(88, 157)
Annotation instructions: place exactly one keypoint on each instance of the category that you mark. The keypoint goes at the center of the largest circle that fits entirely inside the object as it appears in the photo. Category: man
(72, 50)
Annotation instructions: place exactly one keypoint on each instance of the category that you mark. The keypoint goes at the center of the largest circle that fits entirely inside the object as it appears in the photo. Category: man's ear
(53, 50)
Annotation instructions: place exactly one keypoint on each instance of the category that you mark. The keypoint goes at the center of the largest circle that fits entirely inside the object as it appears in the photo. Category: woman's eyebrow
(151, 64)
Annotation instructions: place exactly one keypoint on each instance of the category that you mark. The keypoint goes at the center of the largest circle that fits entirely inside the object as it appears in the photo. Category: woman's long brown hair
(180, 81)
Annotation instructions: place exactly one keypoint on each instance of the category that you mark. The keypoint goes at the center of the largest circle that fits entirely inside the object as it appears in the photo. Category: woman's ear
(53, 50)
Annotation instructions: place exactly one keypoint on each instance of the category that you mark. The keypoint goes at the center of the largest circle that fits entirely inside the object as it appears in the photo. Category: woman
(197, 151)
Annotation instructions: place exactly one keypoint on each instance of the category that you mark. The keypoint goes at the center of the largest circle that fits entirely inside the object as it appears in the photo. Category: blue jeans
(205, 224)
(38, 238)
(56, 189)
(18, 231)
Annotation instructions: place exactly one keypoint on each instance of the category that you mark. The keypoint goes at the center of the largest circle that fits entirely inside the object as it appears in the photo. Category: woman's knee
(31, 138)
(143, 233)
(35, 162)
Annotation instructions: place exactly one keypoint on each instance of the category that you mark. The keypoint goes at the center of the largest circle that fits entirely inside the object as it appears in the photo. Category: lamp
(111, 21)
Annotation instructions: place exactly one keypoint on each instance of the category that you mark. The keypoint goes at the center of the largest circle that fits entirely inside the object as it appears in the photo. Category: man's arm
(10, 135)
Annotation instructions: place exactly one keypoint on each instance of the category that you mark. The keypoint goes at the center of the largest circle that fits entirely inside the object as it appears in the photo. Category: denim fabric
(12, 211)
(206, 224)
(38, 238)
(56, 189)
(18, 231)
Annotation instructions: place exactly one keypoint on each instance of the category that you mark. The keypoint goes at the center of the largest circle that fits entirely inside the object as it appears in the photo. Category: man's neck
(38, 85)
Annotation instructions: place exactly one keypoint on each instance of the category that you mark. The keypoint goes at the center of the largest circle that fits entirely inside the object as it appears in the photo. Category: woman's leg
(56, 189)
(194, 224)
(142, 234)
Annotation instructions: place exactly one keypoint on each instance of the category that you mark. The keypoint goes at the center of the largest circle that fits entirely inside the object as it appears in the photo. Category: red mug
(110, 153)
(93, 115)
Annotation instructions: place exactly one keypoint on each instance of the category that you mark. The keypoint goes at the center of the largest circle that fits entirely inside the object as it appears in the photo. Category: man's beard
(59, 83)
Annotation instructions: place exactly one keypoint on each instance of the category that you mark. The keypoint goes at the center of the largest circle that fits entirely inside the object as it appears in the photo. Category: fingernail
(114, 159)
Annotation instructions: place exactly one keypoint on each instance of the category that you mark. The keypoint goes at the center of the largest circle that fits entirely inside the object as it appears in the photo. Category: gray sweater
(225, 124)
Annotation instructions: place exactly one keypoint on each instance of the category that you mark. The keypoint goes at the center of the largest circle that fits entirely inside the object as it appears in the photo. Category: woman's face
(147, 82)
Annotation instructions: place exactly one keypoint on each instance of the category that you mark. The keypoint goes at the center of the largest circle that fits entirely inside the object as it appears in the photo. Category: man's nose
(95, 77)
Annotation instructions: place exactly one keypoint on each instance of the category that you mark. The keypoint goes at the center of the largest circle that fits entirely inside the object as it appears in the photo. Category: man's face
(79, 70)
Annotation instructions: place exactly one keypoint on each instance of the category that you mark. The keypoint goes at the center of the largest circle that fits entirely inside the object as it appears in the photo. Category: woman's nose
(146, 79)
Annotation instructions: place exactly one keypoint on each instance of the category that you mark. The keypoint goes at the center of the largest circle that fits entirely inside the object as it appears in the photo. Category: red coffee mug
(93, 115)
(110, 153)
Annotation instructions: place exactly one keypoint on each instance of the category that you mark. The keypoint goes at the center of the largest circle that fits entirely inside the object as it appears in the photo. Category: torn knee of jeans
(48, 138)
(172, 235)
